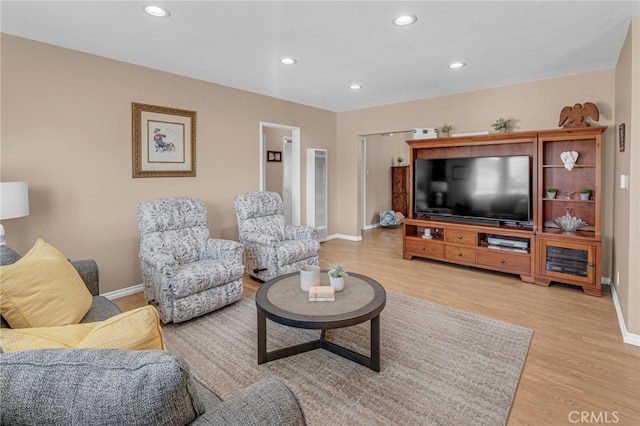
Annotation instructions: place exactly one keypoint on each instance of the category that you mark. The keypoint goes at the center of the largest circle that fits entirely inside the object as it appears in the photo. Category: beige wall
(626, 231)
(66, 129)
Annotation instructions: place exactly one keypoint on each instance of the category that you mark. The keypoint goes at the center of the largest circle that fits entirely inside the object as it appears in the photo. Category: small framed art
(274, 156)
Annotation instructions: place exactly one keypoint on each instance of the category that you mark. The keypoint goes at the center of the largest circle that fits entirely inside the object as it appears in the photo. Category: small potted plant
(585, 194)
(337, 275)
(551, 192)
(399, 160)
(445, 129)
(501, 125)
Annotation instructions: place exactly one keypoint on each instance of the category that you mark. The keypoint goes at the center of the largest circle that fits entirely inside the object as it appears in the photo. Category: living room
(66, 129)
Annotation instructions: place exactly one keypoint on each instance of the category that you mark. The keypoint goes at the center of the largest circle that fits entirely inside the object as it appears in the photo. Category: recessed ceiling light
(456, 65)
(355, 87)
(157, 11)
(404, 20)
(288, 61)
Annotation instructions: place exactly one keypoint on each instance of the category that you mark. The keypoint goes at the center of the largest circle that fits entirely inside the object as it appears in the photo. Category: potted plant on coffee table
(337, 275)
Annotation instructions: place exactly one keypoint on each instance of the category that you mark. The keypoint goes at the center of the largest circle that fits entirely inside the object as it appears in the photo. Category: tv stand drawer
(424, 248)
(460, 254)
(506, 261)
(460, 236)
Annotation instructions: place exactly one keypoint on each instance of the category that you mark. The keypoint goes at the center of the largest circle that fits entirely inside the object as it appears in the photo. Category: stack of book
(322, 293)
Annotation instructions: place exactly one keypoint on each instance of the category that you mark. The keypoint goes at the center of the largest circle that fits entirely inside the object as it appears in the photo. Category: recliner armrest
(262, 239)
(292, 232)
(223, 249)
(164, 262)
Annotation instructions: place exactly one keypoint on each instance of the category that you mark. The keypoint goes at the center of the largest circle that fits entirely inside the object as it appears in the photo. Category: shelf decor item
(585, 194)
(569, 223)
(399, 160)
(337, 275)
(551, 193)
(572, 117)
(445, 130)
(569, 159)
(502, 125)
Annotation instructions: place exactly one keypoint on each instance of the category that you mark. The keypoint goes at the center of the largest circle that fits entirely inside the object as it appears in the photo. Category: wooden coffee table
(282, 301)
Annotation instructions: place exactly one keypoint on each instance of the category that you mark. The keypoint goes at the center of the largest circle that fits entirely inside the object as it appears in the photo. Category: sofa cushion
(42, 289)
(97, 387)
(136, 329)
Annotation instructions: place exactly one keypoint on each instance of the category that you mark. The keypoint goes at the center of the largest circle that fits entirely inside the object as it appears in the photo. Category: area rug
(439, 366)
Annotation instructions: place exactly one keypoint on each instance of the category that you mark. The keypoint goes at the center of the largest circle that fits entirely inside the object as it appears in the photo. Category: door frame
(295, 166)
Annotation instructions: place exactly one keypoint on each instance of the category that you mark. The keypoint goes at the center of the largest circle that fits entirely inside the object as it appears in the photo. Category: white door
(287, 180)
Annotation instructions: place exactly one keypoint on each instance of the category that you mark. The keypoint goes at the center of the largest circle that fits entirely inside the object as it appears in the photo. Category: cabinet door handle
(501, 260)
(459, 253)
(459, 237)
(422, 248)
(592, 265)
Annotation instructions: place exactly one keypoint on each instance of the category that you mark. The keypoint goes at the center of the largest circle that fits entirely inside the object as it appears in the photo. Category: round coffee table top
(282, 301)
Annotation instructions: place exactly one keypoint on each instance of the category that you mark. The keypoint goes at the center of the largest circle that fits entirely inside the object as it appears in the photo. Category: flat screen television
(492, 190)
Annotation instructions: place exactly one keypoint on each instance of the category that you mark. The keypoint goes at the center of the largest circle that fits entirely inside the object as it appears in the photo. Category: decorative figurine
(572, 117)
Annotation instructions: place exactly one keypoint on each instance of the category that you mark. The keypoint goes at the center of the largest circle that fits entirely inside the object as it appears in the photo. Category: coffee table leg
(262, 338)
(375, 344)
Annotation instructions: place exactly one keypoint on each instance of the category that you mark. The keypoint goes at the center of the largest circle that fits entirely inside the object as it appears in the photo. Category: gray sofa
(124, 387)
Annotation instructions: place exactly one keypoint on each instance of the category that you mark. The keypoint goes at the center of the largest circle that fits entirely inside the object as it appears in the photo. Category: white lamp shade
(14, 200)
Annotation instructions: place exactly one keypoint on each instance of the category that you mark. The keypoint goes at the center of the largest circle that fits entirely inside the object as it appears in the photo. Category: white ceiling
(337, 43)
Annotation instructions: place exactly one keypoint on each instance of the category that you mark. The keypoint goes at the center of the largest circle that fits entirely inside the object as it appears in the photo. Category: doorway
(281, 176)
(378, 153)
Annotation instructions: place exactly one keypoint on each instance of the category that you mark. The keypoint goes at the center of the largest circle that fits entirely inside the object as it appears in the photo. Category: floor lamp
(14, 203)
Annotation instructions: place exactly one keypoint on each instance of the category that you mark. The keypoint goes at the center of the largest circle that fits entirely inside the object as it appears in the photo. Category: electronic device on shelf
(505, 241)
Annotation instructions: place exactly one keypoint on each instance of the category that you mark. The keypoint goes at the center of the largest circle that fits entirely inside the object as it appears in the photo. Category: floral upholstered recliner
(272, 248)
(184, 271)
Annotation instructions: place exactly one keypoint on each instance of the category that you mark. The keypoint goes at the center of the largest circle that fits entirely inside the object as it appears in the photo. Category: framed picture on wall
(274, 156)
(164, 141)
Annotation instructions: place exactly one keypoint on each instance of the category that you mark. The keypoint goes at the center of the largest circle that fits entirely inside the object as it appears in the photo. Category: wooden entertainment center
(545, 253)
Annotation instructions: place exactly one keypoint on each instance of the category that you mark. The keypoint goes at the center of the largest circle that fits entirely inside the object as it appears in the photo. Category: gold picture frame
(164, 141)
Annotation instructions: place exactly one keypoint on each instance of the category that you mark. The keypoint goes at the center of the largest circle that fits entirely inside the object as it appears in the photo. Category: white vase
(337, 283)
(309, 277)
(585, 196)
(551, 195)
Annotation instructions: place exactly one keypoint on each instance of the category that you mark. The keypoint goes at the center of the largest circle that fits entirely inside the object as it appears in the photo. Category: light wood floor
(577, 362)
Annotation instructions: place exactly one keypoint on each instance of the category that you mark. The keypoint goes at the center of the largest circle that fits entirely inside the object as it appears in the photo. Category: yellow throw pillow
(137, 329)
(42, 289)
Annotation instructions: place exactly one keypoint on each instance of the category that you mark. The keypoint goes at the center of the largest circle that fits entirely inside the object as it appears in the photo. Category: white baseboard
(345, 237)
(630, 338)
(124, 292)
(372, 226)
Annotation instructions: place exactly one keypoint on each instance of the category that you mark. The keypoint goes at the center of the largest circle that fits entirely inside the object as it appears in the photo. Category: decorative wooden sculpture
(571, 117)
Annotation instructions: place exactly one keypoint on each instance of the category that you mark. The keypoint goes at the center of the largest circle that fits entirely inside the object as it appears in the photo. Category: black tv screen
(496, 189)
